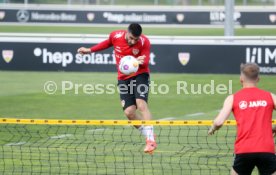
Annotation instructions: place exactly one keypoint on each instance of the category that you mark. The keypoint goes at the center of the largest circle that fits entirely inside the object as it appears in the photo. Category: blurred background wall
(145, 2)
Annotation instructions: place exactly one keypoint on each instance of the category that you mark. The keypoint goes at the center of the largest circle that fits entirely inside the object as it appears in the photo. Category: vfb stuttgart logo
(7, 55)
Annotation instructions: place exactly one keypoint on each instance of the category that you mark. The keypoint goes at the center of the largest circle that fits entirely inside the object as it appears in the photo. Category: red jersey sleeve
(146, 51)
(102, 45)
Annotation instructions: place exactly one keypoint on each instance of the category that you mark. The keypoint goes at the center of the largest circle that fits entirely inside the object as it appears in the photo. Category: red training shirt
(117, 39)
(252, 108)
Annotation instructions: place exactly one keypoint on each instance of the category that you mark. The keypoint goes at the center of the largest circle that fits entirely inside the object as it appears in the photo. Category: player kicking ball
(134, 88)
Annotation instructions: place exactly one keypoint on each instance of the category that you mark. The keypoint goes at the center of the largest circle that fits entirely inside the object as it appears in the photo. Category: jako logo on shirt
(252, 104)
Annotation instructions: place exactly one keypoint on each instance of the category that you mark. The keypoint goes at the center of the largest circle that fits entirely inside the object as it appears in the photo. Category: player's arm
(274, 101)
(98, 47)
(223, 114)
(144, 57)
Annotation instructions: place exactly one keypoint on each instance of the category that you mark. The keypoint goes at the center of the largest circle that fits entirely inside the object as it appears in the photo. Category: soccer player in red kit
(133, 88)
(252, 108)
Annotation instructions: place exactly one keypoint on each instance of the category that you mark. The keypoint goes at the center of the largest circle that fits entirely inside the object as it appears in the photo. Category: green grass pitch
(120, 148)
(22, 95)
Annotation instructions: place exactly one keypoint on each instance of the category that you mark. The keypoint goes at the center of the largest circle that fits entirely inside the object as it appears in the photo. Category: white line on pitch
(195, 114)
(15, 144)
(96, 130)
(192, 115)
(61, 136)
(169, 118)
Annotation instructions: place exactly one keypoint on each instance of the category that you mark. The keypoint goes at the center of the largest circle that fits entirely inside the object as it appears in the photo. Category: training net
(113, 147)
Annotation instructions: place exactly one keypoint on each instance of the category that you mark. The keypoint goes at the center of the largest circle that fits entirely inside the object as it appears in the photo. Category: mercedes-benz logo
(22, 15)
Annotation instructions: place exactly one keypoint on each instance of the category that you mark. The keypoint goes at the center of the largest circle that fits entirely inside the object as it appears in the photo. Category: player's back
(252, 108)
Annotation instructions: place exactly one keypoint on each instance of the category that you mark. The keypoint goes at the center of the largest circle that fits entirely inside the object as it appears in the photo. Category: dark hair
(250, 70)
(135, 29)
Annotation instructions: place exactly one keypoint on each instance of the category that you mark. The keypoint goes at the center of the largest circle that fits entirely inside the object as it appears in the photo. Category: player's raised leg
(147, 130)
(131, 114)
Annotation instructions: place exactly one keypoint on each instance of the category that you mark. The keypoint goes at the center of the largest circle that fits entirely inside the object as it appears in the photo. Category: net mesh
(106, 149)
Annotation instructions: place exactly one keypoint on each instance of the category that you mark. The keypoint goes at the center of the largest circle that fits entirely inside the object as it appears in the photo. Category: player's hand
(141, 59)
(211, 130)
(274, 132)
(84, 50)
